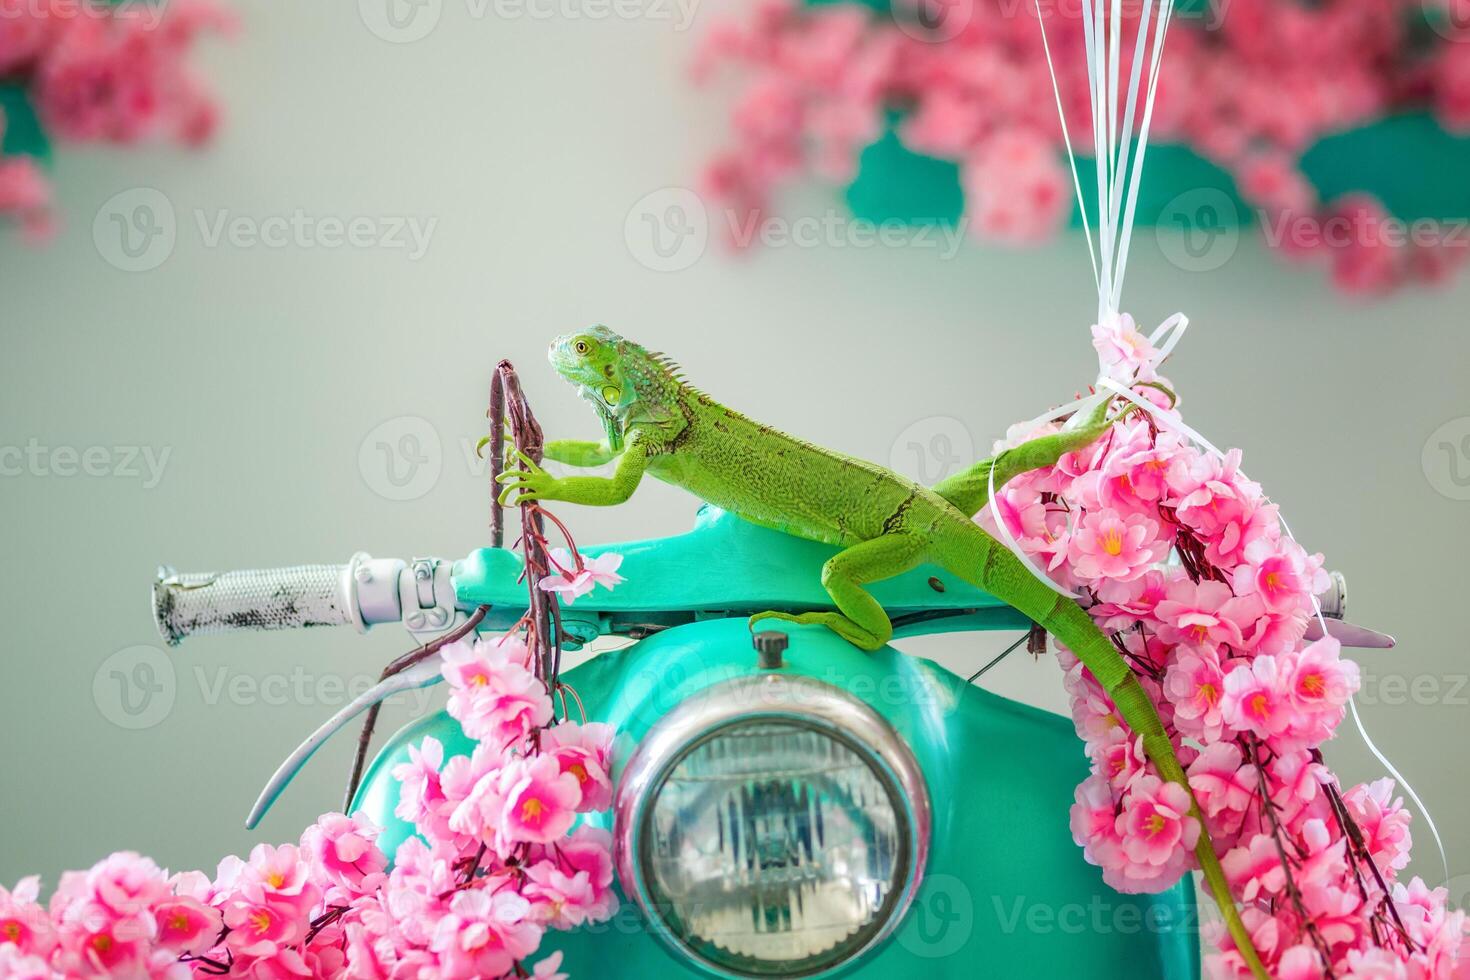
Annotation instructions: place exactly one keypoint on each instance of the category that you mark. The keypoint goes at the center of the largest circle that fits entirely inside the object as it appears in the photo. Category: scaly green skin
(885, 524)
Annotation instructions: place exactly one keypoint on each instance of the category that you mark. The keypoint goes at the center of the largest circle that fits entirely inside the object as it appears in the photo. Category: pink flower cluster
(96, 71)
(497, 865)
(1250, 88)
(1217, 640)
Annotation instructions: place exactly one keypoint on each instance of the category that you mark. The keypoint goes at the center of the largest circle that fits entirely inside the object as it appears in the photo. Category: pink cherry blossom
(540, 800)
(1255, 868)
(1121, 347)
(186, 925)
(421, 796)
(1301, 962)
(585, 751)
(16, 964)
(1195, 685)
(1280, 574)
(1318, 679)
(260, 928)
(1094, 818)
(494, 695)
(1255, 698)
(1109, 545)
(483, 935)
(570, 582)
(1155, 823)
(559, 900)
(548, 968)
(23, 922)
(342, 852)
(1206, 613)
(1384, 822)
(279, 875)
(1225, 787)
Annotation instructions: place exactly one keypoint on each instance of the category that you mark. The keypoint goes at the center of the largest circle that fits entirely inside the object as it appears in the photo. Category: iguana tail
(983, 562)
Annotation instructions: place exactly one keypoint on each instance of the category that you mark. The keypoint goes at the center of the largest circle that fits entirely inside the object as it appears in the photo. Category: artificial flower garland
(1251, 94)
(1217, 639)
(92, 71)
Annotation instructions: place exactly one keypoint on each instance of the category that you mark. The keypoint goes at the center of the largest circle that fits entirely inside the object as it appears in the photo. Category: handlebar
(362, 593)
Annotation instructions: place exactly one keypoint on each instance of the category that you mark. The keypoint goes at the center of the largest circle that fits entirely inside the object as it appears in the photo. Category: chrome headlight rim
(791, 699)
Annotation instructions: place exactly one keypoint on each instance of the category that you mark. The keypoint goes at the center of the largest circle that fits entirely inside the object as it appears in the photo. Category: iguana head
(616, 375)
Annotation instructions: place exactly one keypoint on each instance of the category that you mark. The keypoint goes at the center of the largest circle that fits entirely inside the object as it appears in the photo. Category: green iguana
(656, 423)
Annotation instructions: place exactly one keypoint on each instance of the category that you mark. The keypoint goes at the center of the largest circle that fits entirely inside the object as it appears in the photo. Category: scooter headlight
(774, 826)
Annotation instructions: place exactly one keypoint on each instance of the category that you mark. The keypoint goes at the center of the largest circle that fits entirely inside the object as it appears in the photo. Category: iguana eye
(581, 347)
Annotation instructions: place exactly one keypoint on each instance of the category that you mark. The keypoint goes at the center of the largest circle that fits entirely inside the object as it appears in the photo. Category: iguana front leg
(531, 482)
(580, 452)
(969, 490)
(861, 620)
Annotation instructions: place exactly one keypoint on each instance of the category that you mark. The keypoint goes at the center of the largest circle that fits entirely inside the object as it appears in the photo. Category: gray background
(533, 142)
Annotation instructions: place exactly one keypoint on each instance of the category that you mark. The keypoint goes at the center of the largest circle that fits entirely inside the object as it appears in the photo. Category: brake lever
(425, 673)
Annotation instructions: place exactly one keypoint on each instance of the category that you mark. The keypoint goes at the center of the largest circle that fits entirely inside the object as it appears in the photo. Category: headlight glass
(773, 847)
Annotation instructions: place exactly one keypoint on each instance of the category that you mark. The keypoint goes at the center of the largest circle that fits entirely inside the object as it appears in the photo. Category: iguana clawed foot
(532, 482)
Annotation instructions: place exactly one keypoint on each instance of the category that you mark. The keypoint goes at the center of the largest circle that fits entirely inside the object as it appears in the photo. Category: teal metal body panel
(724, 566)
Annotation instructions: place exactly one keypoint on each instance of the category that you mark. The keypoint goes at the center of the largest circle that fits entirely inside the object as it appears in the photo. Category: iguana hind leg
(969, 490)
(860, 619)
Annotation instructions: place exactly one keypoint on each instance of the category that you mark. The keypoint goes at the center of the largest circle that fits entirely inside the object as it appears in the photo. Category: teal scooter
(980, 874)
(785, 804)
